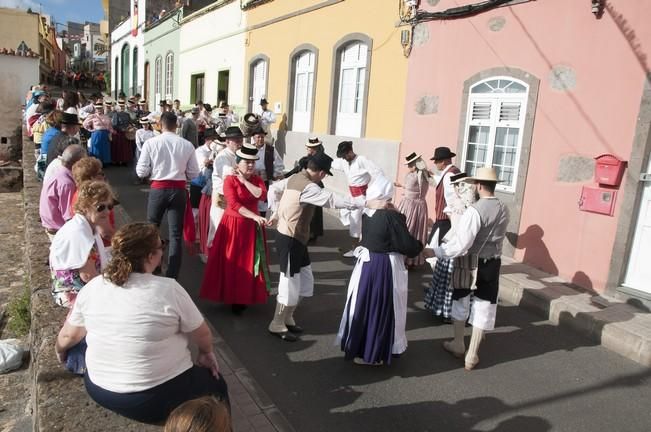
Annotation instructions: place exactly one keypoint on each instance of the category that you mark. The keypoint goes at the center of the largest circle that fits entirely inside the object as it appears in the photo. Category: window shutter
(510, 111)
(481, 110)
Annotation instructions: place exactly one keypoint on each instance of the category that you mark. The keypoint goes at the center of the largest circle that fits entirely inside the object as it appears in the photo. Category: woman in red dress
(237, 272)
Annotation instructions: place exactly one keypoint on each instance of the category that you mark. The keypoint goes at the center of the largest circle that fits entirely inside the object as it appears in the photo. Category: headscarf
(379, 194)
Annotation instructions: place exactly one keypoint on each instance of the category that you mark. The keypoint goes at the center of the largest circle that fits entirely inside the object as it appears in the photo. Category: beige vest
(294, 218)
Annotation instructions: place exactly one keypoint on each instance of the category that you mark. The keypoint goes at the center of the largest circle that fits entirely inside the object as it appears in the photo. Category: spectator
(205, 414)
(57, 191)
(138, 327)
(69, 128)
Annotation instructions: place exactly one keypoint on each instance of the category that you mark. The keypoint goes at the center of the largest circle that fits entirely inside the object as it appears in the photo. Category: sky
(62, 10)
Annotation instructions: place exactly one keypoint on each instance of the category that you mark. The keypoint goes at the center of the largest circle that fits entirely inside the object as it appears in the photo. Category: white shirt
(167, 157)
(266, 119)
(143, 135)
(312, 194)
(464, 235)
(358, 172)
(448, 187)
(136, 334)
(222, 166)
(202, 153)
(279, 165)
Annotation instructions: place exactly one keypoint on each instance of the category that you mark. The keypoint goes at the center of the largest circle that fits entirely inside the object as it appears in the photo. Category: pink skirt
(415, 209)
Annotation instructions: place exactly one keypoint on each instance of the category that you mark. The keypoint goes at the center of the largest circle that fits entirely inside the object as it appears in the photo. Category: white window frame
(306, 69)
(169, 75)
(344, 120)
(258, 85)
(158, 78)
(496, 99)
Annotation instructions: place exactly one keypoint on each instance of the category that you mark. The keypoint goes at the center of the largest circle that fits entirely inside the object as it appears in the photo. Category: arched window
(158, 77)
(126, 69)
(115, 81)
(257, 82)
(350, 92)
(495, 122)
(134, 73)
(303, 67)
(169, 75)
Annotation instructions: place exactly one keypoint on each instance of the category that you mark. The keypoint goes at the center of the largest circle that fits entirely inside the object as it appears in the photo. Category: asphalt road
(533, 376)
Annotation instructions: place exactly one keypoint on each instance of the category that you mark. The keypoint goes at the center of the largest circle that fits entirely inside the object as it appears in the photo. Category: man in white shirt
(169, 160)
(266, 117)
(269, 166)
(225, 117)
(444, 191)
(223, 166)
(359, 171)
(479, 235)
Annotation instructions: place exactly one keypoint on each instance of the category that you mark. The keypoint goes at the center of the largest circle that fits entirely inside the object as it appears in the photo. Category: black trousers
(488, 282)
(171, 201)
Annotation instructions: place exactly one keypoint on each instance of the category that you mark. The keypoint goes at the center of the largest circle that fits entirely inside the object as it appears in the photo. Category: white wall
(122, 34)
(17, 74)
(200, 52)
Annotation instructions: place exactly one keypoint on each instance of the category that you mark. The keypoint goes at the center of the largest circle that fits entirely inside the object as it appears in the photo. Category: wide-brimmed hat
(313, 142)
(413, 157)
(258, 131)
(207, 107)
(458, 178)
(233, 132)
(210, 133)
(142, 102)
(322, 161)
(69, 118)
(441, 153)
(98, 105)
(195, 110)
(162, 103)
(344, 147)
(248, 152)
(122, 102)
(485, 174)
(263, 101)
(108, 102)
(144, 120)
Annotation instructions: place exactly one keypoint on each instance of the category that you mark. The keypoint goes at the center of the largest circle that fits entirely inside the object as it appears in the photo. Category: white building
(127, 52)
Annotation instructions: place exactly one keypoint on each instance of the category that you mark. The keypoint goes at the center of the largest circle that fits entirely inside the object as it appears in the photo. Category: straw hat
(313, 142)
(412, 158)
(485, 174)
(248, 152)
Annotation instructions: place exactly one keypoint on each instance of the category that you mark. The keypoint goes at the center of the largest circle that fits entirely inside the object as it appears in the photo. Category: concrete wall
(211, 40)
(17, 74)
(591, 74)
(160, 40)
(17, 26)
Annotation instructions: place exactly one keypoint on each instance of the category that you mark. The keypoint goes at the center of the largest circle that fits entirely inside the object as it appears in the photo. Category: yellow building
(330, 68)
(17, 26)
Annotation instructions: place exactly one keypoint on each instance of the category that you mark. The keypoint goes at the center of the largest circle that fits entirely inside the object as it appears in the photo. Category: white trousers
(353, 220)
(482, 313)
(291, 289)
(216, 214)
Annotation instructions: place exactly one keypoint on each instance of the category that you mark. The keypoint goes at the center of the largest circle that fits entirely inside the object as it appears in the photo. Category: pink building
(538, 89)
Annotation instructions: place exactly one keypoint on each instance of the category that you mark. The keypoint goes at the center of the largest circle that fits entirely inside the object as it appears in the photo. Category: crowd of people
(222, 184)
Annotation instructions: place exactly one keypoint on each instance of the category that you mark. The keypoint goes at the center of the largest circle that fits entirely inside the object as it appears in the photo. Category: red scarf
(189, 232)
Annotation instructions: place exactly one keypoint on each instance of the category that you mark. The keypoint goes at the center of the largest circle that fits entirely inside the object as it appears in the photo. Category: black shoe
(286, 336)
(446, 320)
(294, 328)
(238, 309)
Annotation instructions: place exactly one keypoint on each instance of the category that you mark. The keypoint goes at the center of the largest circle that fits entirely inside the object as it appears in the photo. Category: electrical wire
(456, 12)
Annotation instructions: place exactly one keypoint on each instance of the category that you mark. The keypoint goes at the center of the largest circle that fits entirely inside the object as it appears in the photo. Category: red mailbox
(598, 200)
(609, 170)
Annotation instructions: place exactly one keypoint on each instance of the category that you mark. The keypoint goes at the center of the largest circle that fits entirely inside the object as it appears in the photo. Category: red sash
(356, 191)
(189, 232)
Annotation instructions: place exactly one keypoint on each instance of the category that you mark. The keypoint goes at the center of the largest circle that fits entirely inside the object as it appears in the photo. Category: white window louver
(509, 111)
(481, 110)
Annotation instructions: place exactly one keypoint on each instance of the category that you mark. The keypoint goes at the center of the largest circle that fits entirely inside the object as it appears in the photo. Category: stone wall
(60, 402)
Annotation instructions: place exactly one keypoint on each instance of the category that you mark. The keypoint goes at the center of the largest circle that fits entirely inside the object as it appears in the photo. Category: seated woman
(77, 253)
(137, 327)
(373, 323)
(89, 169)
(205, 414)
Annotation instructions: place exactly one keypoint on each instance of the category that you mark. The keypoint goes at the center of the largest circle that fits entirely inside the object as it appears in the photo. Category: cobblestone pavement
(14, 388)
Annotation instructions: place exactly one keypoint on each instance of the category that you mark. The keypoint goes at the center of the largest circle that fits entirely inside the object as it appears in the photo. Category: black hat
(263, 101)
(210, 133)
(233, 132)
(248, 152)
(162, 103)
(258, 131)
(344, 147)
(207, 107)
(323, 161)
(458, 177)
(69, 118)
(442, 153)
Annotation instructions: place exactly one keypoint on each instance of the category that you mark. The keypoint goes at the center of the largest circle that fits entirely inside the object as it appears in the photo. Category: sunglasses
(100, 208)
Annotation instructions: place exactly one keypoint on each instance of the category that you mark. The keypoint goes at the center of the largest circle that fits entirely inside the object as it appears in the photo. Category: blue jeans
(171, 201)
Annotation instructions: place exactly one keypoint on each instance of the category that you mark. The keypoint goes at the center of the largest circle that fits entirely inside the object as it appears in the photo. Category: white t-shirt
(136, 334)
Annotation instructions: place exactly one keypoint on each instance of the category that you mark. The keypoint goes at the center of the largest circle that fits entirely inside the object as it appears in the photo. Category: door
(303, 86)
(145, 93)
(638, 273)
(258, 85)
(126, 69)
(351, 98)
(222, 86)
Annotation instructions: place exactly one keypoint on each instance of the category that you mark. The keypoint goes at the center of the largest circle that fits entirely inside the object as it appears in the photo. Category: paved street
(532, 377)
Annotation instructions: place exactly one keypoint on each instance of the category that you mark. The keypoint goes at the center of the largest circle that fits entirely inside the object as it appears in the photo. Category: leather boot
(289, 320)
(277, 325)
(457, 346)
(472, 356)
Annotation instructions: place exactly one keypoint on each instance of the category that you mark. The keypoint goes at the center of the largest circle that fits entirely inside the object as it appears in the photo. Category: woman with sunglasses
(77, 253)
(237, 272)
(138, 327)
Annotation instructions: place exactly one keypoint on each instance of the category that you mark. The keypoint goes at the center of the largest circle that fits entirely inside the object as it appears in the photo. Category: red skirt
(121, 148)
(229, 276)
(204, 222)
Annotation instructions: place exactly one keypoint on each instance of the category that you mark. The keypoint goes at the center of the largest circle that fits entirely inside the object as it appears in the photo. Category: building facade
(127, 52)
(505, 90)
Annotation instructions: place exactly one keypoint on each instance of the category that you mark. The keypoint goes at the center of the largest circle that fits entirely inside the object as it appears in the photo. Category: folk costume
(414, 206)
(481, 232)
(222, 167)
(269, 166)
(444, 194)
(100, 127)
(300, 195)
(359, 173)
(237, 271)
(121, 146)
(373, 323)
